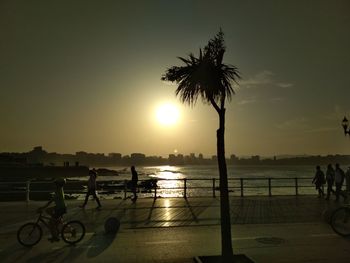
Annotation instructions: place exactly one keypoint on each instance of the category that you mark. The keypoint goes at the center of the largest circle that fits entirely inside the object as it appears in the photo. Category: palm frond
(206, 76)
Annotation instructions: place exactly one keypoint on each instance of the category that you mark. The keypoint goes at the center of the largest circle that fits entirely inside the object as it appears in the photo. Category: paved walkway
(267, 229)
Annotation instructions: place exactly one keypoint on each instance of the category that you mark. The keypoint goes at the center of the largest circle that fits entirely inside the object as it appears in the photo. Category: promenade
(266, 229)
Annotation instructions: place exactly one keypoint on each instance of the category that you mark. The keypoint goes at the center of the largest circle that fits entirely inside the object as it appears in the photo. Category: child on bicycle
(56, 211)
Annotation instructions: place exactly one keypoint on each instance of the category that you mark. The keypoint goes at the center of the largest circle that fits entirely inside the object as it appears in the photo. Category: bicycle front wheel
(73, 232)
(29, 234)
(340, 221)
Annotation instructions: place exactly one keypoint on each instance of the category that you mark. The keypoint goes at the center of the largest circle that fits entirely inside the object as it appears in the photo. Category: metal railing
(245, 186)
(185, 188)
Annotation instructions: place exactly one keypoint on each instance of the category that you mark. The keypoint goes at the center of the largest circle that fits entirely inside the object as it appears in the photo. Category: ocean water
(203, 180)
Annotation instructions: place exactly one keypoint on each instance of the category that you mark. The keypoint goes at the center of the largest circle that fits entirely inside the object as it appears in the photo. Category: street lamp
(345, 124)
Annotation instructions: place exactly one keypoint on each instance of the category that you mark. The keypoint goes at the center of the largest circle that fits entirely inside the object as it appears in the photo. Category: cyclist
(56, 211)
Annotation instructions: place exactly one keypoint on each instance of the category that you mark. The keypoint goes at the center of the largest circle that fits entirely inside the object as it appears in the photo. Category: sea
(203, 180)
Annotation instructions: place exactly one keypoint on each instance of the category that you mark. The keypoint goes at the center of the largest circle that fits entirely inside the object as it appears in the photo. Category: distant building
(8, 160)
(176, 159)
(233, 158)
(255, 159)
(115, 155)
(137, 158)
(37, 155)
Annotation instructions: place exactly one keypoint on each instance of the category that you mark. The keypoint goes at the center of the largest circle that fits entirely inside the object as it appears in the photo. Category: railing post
(155, 191)
(242, 194)
(213, 187)
(125, 188)
(296, 186)
(270, 194)
(185, 188)
(28, 191)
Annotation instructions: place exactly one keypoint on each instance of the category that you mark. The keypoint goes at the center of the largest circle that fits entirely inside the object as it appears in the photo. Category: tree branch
(222, 101)
(212, 101)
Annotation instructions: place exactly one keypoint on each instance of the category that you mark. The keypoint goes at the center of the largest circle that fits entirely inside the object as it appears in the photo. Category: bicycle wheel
(29, 234)
(73, 231)
(340, 221)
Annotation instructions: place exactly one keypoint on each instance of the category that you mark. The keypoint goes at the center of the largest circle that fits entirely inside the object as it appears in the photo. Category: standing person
(92, 189)
(319, 181)
(339, 180)
(347, 178)
(134, 179)
(330, 180)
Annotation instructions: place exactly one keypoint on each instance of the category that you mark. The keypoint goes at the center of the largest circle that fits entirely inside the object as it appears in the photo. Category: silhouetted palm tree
(207, 77)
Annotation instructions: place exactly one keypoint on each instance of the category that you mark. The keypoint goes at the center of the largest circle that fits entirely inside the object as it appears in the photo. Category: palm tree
(207, 77)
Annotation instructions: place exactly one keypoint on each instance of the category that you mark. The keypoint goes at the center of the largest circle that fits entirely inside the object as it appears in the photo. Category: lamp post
(345, 124)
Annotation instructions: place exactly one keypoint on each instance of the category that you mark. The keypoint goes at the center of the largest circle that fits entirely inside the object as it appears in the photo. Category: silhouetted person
(339, 180)
(319, 181)
(92, 189)
(347, 179)
(134, 180)
(330, 173)
(57, 211)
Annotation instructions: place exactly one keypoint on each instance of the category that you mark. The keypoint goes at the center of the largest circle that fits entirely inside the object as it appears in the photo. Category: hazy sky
(85, 75)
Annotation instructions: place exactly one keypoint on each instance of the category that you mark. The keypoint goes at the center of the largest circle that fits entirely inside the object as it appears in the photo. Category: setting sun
(167, 114)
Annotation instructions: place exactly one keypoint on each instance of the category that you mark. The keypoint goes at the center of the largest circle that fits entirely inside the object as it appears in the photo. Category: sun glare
(167, 114)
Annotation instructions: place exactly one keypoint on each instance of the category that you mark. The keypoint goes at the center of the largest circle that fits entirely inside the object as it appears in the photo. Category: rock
(112, 225)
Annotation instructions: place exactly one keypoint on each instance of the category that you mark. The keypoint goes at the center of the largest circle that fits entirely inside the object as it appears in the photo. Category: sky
(85, 75)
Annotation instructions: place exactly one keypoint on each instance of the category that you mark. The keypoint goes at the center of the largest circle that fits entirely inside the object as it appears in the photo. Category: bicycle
(31, 233)
(340, 221)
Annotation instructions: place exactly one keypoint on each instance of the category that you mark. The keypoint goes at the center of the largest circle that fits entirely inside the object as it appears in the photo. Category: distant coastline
(38, 156)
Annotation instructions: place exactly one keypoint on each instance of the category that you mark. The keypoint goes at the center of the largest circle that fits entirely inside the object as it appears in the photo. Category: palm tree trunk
(226, 242)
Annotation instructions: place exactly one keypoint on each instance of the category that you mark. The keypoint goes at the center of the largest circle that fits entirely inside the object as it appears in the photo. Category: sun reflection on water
(169, 180)
(167, 215)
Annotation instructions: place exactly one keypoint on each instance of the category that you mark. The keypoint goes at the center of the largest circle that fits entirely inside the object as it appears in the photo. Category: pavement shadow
(93, 247)
(48, 257)
(98, 243)
(92, 218)
(194, 217)
(148, 220)
(13, 253)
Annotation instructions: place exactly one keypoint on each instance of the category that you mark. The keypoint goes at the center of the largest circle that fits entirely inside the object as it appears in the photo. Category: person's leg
(329, 189)
(135, 190)
(318, 188)
(332, 190)
(134, 193)
(52, 224)
(337, 192)
(343, 194)
(86, 199)
(319, 192)
(96, 198)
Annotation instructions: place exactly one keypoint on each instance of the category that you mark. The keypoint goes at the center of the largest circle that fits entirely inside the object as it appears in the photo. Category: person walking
(347, 179)
(339, 180)
(92, 189)
(319, 181)
(330, 180)
(134, 180)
